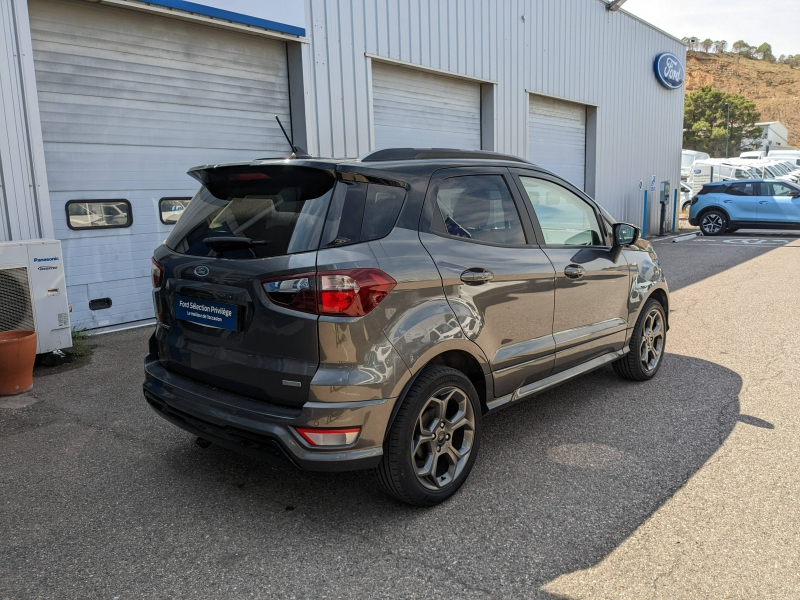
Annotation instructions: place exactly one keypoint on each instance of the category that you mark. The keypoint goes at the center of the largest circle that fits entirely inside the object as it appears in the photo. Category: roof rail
(435, 153)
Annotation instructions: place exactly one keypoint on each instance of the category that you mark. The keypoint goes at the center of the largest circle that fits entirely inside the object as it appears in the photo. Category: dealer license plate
(206, 312)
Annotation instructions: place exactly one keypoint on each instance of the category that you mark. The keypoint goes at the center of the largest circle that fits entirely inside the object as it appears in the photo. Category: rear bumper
(693, 222)
(263, 430)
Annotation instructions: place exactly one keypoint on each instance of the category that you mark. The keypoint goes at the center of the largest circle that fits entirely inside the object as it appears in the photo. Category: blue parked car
(726, 206)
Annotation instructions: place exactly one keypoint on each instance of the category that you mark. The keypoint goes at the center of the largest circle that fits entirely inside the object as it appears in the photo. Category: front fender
(647, 278)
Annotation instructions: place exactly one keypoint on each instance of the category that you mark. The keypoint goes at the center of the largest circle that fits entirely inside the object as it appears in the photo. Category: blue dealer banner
(205, 312)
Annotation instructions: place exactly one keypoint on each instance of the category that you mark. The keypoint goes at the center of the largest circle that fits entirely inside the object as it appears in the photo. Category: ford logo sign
(697, 171)
(201, 271)
(669, 70)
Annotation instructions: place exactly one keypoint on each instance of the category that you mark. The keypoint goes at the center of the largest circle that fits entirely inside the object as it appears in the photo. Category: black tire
(398, 472)
(632, 366)
(713, 222)
(686, 207)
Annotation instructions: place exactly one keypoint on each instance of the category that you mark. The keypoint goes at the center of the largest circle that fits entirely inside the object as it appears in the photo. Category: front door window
(565, 219)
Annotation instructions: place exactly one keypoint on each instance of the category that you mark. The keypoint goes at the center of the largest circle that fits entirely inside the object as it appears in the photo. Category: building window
(99, 214)
(170, 209)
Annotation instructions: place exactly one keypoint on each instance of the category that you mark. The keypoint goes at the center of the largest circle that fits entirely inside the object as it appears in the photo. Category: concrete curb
(688, 236)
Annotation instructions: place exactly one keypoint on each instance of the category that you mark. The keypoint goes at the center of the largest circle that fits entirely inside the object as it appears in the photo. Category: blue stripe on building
(219, 13)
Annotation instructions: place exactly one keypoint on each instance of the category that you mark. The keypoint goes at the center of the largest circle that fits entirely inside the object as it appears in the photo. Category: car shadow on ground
(561, 481)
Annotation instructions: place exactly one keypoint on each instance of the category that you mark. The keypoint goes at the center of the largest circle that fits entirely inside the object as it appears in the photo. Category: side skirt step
(550, 382)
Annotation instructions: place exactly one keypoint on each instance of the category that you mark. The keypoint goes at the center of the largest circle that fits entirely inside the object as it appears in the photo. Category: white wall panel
(24, 198)
(129, 102)
(558, 137)
(575, 50)
(413, 108)
(178, 94)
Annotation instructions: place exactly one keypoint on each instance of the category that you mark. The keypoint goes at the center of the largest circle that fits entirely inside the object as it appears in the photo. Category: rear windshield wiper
(232, 243)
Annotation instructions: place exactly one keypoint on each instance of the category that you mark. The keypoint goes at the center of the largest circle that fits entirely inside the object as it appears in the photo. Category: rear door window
(480, 208)
(280, 210)
(741, 189)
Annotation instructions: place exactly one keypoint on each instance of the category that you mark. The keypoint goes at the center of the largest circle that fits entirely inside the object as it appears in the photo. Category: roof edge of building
(646, 23)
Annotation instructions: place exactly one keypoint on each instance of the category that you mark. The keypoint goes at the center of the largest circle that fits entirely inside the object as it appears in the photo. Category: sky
(772, 21)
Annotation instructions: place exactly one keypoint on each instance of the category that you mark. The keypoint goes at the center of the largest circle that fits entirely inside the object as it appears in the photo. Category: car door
(779, 203)
(499, 283)
(592, 277)
(740, 201)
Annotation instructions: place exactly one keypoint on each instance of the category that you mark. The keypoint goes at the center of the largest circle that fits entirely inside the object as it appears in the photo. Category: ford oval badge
(669, 70)
(201, 271)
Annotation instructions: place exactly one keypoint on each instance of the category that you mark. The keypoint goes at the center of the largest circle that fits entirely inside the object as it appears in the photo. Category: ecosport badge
(669, 70)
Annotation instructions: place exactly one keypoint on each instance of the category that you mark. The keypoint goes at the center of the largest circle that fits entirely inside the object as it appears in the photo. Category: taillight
(329, 437)
(351, 293)
(156, 273)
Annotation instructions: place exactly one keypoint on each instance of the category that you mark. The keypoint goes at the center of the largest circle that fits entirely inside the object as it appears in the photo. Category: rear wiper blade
(232, 242)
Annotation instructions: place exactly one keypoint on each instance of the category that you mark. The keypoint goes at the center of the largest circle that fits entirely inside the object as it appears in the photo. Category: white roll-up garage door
(558, 137)
(416, 109)
(129, 101)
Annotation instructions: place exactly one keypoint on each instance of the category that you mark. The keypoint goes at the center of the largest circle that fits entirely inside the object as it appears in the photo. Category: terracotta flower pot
(17, 355)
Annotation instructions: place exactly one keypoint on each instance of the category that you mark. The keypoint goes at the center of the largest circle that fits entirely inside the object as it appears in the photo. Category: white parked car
(686, 196)
(688, 158)
(792, 156)
(753, 155)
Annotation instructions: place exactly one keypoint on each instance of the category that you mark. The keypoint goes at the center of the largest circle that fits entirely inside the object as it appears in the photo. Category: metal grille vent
(16, 311)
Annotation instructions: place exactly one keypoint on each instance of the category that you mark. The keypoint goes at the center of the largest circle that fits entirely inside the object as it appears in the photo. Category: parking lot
(686, 486)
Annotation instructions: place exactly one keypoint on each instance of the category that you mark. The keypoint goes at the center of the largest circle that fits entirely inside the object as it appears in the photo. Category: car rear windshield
(273, 211)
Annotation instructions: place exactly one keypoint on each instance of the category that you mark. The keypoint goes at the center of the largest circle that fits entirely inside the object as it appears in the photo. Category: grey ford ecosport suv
(369, 313)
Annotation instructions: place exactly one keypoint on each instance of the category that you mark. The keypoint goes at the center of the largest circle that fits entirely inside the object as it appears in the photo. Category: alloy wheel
(443, 438)
(712, 223)
(651, 345)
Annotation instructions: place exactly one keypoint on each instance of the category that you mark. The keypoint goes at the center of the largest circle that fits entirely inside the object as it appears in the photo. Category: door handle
(476, 276)
(727, 201)
(764, 202)
(574, 271)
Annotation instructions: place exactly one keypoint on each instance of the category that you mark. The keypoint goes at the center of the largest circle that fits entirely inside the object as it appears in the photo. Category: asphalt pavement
(686, 486)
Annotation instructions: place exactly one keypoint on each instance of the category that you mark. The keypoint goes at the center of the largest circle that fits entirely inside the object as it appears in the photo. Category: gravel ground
(686, 486)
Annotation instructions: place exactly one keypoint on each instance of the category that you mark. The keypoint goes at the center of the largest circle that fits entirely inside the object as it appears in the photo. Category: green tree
(691, 42)
(705, 122)
(720, 47)
(739, 46)
(764, 52)
(706, 45)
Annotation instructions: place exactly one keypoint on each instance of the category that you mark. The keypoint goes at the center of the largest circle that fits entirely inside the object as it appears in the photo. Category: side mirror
(625, 234)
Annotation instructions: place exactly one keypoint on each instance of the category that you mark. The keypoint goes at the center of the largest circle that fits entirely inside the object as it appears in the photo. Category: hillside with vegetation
(773, 85)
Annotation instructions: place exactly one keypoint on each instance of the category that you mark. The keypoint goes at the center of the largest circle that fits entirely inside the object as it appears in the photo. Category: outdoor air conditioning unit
(33, 292)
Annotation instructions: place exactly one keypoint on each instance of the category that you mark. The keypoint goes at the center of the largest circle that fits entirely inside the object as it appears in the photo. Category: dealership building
(113, 100)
